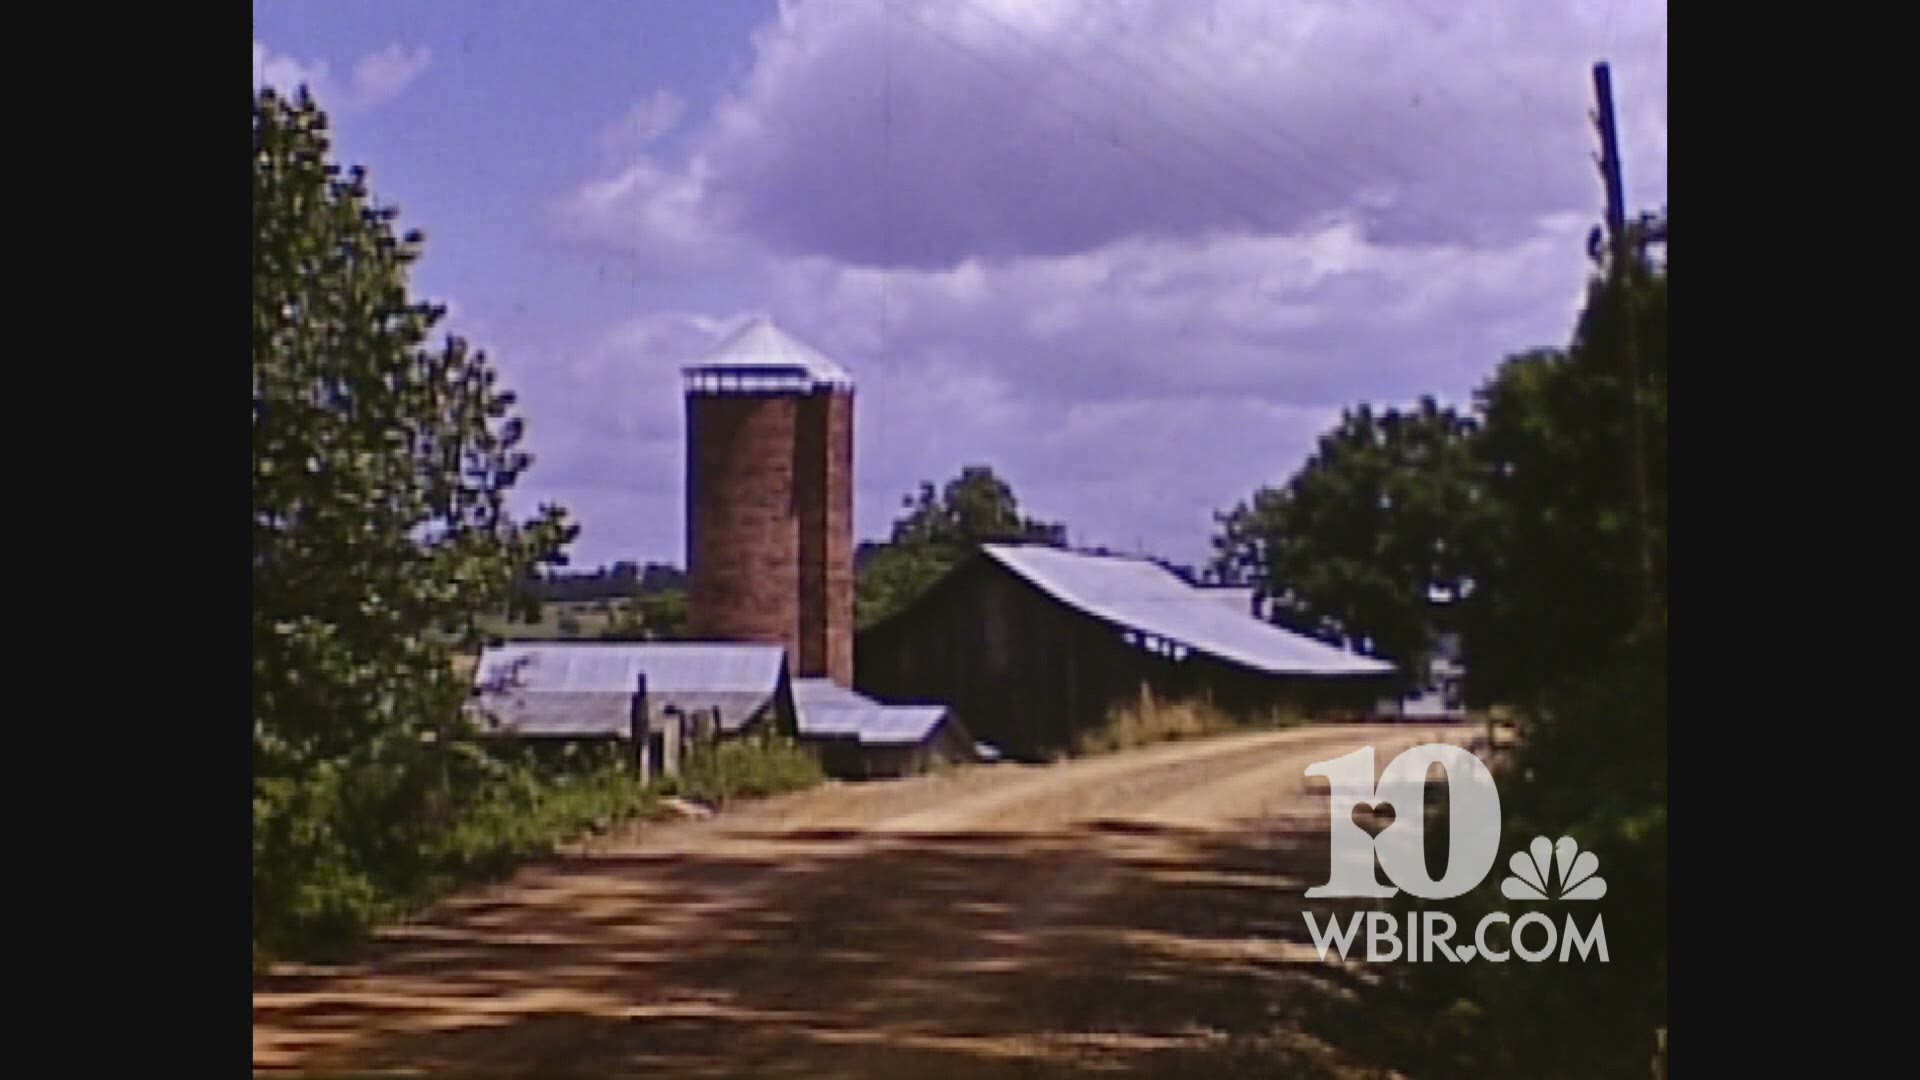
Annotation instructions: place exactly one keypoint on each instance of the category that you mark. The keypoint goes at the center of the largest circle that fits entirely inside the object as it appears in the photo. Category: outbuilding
(860, 738)
(1033, 645)
(658, 696)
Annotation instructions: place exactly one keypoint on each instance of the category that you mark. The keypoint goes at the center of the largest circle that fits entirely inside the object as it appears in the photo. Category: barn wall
(1027, 673)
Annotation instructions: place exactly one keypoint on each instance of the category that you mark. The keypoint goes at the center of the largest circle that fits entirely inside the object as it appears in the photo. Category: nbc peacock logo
(1576, 872)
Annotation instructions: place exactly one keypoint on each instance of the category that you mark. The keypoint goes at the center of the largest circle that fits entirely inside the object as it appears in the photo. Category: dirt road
(1137, 912)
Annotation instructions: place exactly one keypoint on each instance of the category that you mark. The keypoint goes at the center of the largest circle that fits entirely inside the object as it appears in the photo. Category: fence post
(638, 729)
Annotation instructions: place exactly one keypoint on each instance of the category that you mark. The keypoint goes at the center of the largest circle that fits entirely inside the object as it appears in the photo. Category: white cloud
(1137, 314)
(377, 78)
(923, 134)
(650, 118)
(383, 75)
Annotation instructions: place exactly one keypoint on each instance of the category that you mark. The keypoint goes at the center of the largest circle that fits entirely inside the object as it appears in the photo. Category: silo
(770, 499)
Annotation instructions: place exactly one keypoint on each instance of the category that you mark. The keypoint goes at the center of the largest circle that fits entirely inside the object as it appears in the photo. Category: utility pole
(1623, 262)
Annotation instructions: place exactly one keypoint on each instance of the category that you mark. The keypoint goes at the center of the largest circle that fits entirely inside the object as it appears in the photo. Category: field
(558, 619)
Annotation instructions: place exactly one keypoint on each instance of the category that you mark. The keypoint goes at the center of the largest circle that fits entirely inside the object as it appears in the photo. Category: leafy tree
(1568, 623)
(654, 616)
(1375, 540)
(938, 530)
(662, 577)
(381, 466)
(1556, 452)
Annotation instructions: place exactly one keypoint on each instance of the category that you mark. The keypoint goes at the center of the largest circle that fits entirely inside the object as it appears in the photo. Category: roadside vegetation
(329, 882)
(749, 768)
(383, 553)
(1148, 720)
(1536, 528)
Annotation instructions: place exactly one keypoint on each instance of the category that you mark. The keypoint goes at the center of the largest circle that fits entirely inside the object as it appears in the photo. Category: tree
(1556, 452)
(1373, 542)
(937, 532)
(381, 467)
(653, 616)
(1567, 624)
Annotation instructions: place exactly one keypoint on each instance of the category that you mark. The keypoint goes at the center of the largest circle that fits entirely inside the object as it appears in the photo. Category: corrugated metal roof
(617, 666)
(830, 711)
(876, 725)
(827, 694)
(562, 715)
(1237, 597)
(761, 348)
(588, 687)
(1153, 603)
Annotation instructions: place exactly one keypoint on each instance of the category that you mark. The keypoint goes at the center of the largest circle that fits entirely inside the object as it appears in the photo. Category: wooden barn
(1032, 645)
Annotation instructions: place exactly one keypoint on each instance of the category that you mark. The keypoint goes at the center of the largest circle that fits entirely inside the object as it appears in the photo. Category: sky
(1136, 255)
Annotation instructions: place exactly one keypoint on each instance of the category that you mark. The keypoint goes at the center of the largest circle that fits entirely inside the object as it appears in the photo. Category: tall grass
(1148, 720)
(749, 768)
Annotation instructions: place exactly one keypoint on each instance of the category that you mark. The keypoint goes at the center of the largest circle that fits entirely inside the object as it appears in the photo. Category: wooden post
(637, 730)
(1623, 266)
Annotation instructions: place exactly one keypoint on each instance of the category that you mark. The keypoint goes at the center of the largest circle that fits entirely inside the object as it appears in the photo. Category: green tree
(1556, 452)
(939, 529)
(654, 616)
(1567, 623)
(381, 466)
(1374, 541)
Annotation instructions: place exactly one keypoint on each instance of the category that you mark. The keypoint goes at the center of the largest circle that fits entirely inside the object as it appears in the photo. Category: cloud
(650, 118)
(1135, 257)
(920, 135)
(377, 78)
(597, 411)
(382, 76)
(286, 73)
(1131, 391)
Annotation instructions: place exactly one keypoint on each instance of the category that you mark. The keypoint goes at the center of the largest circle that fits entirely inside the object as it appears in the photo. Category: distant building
(1033, 645)
(659, 699)
(1443, 698)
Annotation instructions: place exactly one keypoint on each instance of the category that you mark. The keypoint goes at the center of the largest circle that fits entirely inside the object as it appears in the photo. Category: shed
(1033, 645)
(859, 737)
(588, 691)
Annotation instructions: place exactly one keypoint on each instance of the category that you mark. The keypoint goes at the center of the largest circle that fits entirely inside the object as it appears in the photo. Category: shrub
(331, 860)
(1592, 766)
(1149, 720)
(751, 767)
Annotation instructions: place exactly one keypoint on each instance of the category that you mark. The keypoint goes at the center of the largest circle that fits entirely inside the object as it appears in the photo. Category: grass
(1149, 720)
(332, 872)
(749, 768)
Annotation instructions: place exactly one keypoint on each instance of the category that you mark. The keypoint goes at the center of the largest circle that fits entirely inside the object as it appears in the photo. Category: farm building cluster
(1015, 651)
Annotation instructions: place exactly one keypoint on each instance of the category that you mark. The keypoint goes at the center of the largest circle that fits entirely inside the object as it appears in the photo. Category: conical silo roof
(760, 355)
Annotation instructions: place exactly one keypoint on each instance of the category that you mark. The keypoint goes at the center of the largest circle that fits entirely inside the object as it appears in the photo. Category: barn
(599, 691)
(1032, 645)
(556, 693)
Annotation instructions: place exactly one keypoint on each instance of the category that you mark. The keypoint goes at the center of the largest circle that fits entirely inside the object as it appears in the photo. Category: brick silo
(770, 499)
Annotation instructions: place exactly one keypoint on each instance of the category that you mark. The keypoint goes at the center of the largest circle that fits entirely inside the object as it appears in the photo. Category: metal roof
(587, 688)
(827, 710)
(1237, 597)
(827, 694)
(1158, 610)
(761, 353)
